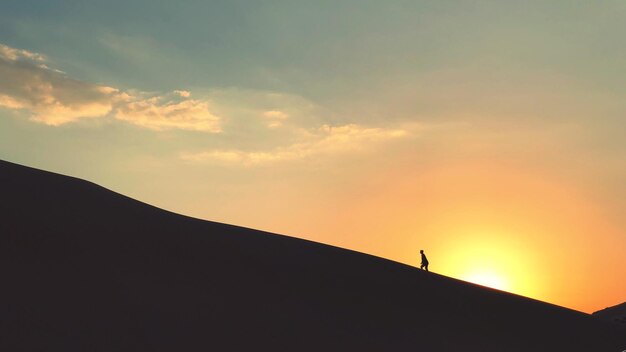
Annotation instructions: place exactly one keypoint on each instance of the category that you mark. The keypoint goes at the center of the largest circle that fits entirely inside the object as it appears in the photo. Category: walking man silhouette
(424, 260)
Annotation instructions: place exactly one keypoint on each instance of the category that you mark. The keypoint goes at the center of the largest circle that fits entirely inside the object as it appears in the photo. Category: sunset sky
(491, 134)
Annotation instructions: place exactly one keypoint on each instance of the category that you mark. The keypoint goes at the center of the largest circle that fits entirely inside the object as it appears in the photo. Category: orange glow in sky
(526, 232)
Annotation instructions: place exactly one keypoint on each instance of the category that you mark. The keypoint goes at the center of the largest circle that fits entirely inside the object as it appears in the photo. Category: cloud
(183, 93)
(326, 140)
(53, 98)
(163, 112)
(10, 102)
(14, 54)
(267, 127)
(275, 118)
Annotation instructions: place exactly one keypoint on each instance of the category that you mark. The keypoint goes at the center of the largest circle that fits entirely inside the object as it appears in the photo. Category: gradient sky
(489, 133)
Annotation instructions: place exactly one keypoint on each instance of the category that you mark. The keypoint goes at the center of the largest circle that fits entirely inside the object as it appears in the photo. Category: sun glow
(489, 279)
(493, 260)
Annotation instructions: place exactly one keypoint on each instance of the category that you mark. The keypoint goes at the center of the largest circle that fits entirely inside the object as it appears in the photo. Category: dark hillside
(86, 269)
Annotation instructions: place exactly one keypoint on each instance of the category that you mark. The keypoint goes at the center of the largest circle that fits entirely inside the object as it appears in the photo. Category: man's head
(422, 251)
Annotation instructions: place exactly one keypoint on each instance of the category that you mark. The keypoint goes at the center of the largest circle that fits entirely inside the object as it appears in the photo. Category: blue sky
(318, 49)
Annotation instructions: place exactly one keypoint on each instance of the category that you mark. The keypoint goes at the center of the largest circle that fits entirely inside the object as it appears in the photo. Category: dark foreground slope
(86, 269)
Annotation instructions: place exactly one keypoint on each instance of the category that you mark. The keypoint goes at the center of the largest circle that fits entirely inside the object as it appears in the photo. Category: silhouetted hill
(85, 269)
(615, 314)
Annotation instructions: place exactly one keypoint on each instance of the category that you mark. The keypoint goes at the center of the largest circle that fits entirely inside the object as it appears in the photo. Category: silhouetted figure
(424, 265)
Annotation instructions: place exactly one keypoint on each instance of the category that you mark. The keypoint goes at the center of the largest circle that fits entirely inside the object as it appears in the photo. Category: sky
(488, 133)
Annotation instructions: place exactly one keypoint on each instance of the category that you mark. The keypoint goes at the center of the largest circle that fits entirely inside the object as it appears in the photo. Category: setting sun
(496, 259)
(489, 279)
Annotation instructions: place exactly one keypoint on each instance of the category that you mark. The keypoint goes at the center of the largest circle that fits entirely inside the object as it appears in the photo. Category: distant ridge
(615, 314)
(86, 269)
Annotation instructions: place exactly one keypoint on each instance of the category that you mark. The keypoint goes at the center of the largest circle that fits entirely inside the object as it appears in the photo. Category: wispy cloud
(275, 118)
(169, 112)
(14, 54)
(261, 127)
(326, 140)
(53, 98)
